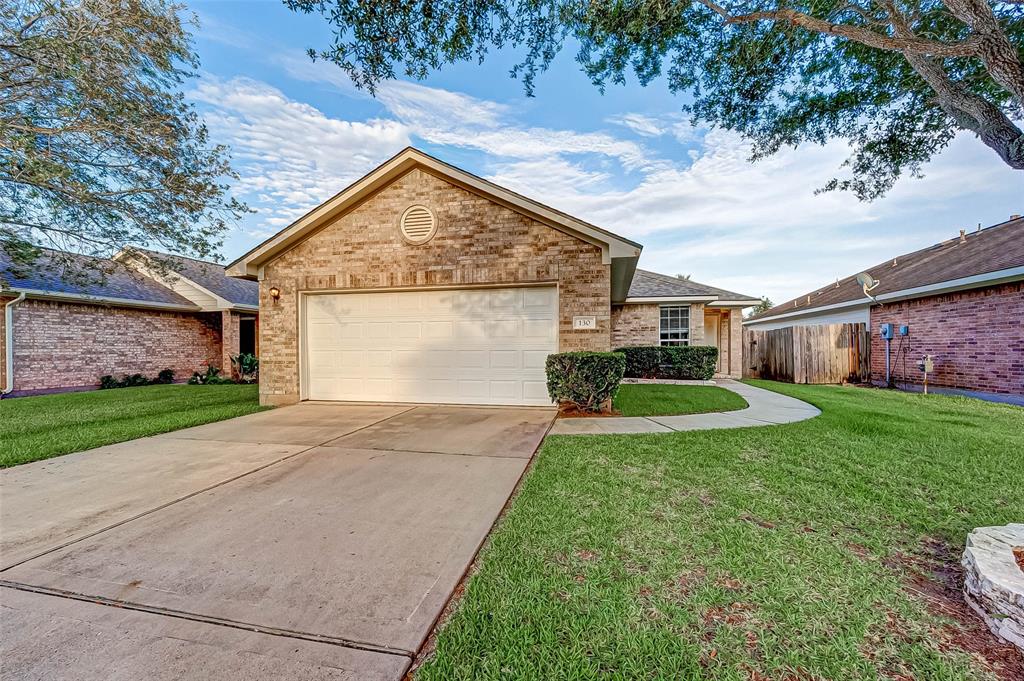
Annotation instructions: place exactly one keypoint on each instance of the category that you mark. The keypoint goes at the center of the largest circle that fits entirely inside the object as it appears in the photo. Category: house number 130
(584, 322)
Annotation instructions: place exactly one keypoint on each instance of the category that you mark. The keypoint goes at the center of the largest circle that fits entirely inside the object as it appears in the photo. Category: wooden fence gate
(826, 353)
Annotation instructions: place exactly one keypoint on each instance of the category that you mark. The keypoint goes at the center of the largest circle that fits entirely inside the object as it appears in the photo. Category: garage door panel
(504, 359)
(485, 346)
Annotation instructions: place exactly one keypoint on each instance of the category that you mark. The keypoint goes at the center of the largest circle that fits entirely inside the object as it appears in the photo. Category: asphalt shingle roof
(211, 276)
(48, 274)
(994, 248)
(648, 284)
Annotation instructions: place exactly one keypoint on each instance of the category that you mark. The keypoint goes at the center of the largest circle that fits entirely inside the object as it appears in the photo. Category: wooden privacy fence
(826, 353)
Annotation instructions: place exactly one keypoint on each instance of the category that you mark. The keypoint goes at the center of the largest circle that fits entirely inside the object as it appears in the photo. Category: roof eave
(950, 286)
(640, 300)
(86, 299)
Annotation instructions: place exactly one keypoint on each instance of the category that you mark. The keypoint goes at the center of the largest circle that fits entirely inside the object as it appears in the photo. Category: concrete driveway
(319, 541)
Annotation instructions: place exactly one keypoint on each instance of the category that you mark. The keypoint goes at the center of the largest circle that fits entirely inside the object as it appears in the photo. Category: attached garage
(421, 282)
(461, 346)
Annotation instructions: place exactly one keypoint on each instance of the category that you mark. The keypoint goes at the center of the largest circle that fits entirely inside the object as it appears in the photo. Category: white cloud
(690, 195)
(647, 126)
(290, 156)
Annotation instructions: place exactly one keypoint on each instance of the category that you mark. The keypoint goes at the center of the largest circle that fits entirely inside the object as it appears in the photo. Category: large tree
(897, 79)
(98, 149)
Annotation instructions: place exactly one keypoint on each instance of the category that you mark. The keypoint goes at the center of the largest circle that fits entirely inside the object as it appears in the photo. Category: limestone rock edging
(994, 584)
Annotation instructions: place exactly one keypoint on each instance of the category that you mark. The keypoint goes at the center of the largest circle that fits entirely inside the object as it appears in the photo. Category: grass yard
(825, 549)
(651, 399)
(34, 428)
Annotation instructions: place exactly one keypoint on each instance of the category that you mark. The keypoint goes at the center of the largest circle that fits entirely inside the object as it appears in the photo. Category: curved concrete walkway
(764, 408)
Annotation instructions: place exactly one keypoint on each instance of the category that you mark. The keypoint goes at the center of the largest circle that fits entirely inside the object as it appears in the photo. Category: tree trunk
(971, 112)
(995, 49)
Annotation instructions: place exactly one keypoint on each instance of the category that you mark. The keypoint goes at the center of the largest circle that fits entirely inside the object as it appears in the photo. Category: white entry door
(472, 346)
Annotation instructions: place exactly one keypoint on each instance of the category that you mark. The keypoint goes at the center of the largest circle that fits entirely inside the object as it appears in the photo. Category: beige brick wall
(635, 324)
(68, 345)
(477, 242)
(638, 324)
(229, 325)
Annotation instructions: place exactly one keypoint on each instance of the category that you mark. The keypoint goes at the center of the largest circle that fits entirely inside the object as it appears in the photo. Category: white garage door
(481, 346)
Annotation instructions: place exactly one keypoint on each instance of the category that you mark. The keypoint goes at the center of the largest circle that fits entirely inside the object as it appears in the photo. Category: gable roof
(119, 285)
(978, 258)
(647, 285)
(618, 251)
(210, 276)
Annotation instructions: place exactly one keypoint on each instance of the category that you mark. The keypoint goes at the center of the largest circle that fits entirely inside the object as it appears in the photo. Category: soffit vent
(418, 224)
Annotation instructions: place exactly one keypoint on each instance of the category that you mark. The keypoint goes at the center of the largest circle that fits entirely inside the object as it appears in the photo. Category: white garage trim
(448, 345)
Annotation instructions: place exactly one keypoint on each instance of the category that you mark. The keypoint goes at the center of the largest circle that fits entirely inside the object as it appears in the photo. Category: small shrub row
(586, 381)
(209, 377)
(245, 366)
(108, 382)
(679, 362)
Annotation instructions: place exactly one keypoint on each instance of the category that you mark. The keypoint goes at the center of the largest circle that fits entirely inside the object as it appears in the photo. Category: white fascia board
(734, 303)
(670, 300)
(938, 288)
(103, 300)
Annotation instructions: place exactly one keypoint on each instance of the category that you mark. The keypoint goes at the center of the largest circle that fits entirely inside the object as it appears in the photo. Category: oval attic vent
(418, 224)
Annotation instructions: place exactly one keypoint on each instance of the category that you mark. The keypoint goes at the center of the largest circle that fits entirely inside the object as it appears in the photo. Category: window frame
(669, 335)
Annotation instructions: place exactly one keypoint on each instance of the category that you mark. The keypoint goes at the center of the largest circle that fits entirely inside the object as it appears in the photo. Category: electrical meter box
(904, 329)
(926, 364)
(885, 331)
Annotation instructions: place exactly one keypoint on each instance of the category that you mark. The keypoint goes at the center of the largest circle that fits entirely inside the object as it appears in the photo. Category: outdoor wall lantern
(275, 293)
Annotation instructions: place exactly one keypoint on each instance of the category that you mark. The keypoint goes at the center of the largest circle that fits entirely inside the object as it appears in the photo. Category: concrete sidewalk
(764, 408)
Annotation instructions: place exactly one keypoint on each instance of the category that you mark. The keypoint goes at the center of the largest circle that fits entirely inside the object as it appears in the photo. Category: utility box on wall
(885, 331)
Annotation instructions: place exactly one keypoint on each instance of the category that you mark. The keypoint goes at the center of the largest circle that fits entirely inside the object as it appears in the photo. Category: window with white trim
(675, 325)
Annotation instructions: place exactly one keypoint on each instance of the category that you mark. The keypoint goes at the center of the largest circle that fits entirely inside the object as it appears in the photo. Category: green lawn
(34, 428)
(651, 399)
(825, 549)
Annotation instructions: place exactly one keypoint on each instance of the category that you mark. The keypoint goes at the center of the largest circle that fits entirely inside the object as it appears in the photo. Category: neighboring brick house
(423, 283)
(148, 312)
(961, 300)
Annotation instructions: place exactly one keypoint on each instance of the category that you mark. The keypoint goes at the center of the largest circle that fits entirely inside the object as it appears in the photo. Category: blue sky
(627, 160)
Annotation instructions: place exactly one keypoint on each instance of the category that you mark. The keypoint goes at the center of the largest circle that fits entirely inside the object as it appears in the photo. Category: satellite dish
(868, 283)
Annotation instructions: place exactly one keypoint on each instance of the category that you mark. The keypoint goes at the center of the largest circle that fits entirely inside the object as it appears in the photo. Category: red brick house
(149, 312)
(962, 301)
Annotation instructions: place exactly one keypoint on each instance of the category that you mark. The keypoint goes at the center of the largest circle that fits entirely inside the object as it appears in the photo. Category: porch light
(275, 292)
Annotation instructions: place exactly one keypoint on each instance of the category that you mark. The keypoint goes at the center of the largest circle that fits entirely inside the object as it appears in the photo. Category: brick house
(421, 282)
(961, 301)
(150, 311)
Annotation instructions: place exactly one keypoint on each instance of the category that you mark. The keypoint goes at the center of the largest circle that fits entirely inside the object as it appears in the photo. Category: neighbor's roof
(212, 277)
(981, 255)
(648, 284)
(47, 276)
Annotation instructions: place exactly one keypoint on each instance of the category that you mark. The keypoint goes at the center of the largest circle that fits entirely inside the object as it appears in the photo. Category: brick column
(229, 339)
(697, 324)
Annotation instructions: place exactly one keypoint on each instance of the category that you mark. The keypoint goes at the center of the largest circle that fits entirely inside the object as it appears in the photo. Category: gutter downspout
(9, 343)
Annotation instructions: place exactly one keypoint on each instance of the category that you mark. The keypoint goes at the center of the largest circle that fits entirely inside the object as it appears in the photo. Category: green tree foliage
(765, 305)
(98, 148)
(897, 79)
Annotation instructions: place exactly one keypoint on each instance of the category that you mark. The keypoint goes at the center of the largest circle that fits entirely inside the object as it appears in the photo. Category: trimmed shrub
(679, 362)
(586, 380)
(164, 377)
(643, 361)
(689, 362)
(108, 382)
